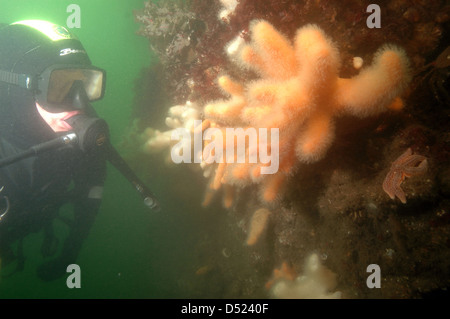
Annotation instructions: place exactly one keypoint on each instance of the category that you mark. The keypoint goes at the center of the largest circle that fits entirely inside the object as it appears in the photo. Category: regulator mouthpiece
(92, 132)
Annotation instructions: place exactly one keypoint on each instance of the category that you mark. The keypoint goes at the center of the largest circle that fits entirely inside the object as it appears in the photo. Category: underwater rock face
(334, 203)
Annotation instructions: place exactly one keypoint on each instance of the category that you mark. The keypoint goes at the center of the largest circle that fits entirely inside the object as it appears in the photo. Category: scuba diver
(53, 146)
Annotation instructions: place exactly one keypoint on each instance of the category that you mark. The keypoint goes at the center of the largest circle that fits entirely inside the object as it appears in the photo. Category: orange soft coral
(300, 93)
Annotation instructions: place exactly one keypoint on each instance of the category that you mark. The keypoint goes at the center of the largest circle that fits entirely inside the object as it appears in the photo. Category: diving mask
(54, 87)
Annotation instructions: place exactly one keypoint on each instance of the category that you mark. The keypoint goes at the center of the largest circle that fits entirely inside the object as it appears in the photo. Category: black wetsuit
(37, 187)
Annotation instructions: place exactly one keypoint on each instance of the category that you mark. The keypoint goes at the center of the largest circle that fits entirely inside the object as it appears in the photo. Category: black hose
(40, 148)
(112, 155)
(119, 163)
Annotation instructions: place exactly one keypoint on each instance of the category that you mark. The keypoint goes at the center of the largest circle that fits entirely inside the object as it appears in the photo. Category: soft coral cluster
(299, 91)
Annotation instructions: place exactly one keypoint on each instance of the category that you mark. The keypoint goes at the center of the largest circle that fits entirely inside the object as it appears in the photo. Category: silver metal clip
(3, 214)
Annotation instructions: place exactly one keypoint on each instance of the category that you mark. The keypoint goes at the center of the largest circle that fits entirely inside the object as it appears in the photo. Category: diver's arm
(85, 213)
(88, 190)
(88, 195)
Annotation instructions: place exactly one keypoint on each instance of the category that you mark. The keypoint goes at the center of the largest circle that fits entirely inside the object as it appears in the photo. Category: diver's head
(50, 63)
(46, 78)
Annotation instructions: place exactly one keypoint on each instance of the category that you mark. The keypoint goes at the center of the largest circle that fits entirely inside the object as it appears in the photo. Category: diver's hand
(52, 269)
